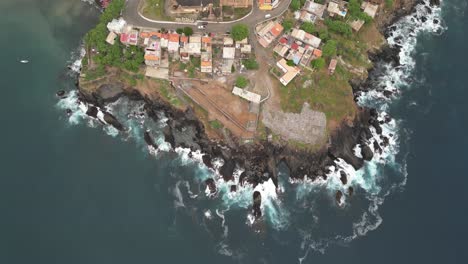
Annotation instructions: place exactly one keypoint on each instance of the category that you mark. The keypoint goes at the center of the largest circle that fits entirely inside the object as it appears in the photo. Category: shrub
(250, 64)
(290, 63)
(308, 27)
(288, 24)
(339, 27)
(318, 63)
(188, 31)
(239, 32)
(241, 82)
(295, 5)
(329, 49)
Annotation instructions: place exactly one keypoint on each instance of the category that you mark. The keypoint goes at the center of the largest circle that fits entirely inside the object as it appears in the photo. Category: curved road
(133, 17)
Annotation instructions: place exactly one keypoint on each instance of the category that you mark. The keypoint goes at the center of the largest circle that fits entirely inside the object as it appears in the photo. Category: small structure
(370, 9)
(306, 58)
(289, 72)
(206, 44)
(305, 16)
(117, 26)
(265, 5)
(337, 8)
(228, 41)
(314, 8)
(269, 33)
(193, 47)
(281, 49)
(249, 96)
(305, 37)
(130, 38)
(173, 43)
(356, 25)
(111, 38)
(229, 53)
(206, 64)
(246, 49)
(332, 66)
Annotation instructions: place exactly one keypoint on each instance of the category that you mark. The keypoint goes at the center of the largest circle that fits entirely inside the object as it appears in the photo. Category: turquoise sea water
(75, 194)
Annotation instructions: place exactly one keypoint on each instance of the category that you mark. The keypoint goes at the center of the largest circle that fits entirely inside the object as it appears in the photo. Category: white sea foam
(393, 79)
(76, 59)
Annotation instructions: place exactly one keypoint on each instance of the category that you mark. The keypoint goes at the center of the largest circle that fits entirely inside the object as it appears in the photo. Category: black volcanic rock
(343, 177)
(350, 191)
(110, 119)
(338, 196)
(366, 152)
(211, 185)
(233, 188)
(227, 169)
(149, 140)
(60, 93)
(92, 111)
(257, 202)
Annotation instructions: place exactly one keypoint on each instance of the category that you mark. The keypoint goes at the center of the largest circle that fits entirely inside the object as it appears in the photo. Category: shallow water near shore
(74, 191)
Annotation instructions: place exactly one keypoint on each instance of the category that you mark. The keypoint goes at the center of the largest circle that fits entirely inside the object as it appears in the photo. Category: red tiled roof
(206, 40)
(294, 46)
(317, 53)
(184, 39)
(283, 41)
(123, 37)
(173, 37)
(277, 29)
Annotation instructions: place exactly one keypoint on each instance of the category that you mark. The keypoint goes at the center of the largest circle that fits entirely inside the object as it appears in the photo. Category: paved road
(133, 17)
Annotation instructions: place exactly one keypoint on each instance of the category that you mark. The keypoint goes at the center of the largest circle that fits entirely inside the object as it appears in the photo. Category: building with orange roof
(269, 33)
(173, 43)
(316, 54)
(265, 5)
(206, 44)
(206, 63)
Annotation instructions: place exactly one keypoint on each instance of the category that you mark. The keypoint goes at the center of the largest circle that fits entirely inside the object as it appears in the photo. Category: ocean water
(75, 191)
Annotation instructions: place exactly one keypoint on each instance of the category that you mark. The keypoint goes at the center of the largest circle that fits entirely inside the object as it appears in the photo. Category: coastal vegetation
(101, 54)
(242, 82)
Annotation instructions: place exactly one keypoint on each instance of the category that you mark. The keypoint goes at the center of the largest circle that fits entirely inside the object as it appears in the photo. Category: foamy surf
(282, 206)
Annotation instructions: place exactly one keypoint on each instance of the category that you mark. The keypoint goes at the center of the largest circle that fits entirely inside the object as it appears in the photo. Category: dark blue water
(74, 194)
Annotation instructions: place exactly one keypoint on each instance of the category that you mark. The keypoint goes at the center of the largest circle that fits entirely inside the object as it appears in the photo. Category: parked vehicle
(201, 27)
(267, 15)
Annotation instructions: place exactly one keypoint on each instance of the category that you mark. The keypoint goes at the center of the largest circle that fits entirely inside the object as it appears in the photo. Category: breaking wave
(305, 208)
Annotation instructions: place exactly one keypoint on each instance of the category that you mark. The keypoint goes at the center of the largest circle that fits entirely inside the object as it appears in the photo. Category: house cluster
(233, 50)
(312, 11)
(160, 46)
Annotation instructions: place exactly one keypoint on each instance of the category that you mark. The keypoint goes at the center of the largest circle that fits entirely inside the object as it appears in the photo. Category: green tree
(239, 32)
(188, 31)
(250, 64)
(288, 24)
(318, 63)
(290, 63)
(180, 31)
(323, 34)
(339, 27)
(329, 49)
(241, 82)
(308, 27)
(295, 5)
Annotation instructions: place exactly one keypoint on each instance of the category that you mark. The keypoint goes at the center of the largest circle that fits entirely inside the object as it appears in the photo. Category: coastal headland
(282, 89)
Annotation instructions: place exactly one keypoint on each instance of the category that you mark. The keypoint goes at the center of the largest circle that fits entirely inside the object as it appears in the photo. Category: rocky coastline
(260, 159)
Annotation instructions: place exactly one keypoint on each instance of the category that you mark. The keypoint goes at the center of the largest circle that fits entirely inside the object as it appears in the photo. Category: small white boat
(24, 61)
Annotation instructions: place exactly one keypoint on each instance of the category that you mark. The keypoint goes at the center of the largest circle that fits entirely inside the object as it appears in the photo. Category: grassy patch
(167, 93)
(154, 9)
(216, 124)
(329, 94)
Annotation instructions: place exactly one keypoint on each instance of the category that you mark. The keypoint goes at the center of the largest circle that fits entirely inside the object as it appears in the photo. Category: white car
(201, 27)
(267, 15)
